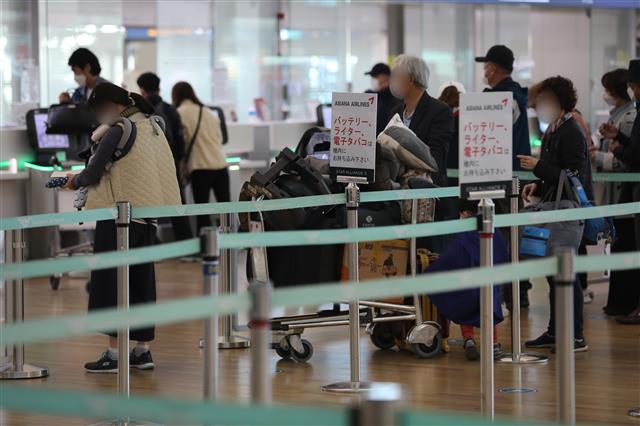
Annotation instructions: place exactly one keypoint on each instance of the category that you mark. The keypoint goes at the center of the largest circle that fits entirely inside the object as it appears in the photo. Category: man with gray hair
(430, 119)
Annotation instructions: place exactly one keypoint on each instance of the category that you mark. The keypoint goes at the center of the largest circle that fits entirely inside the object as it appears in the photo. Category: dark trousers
(582, 276)
(202, 182)
(103, 291)
(578, 304)
(180, 224)
(624, 291)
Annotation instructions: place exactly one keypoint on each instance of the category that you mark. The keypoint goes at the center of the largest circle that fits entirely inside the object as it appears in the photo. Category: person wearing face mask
(86, 72)
(627, 150)
(498, 66)
(380, 75)
(564, 147)
(450, 94)
(130, 160)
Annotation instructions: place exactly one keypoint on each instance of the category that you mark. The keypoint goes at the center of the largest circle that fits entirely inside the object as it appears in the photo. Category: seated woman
(463, 306)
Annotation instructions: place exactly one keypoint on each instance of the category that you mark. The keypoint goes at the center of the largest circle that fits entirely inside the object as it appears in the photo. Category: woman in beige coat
(204, 163)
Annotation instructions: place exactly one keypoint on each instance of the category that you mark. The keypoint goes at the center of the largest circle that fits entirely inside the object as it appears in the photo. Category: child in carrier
(463, 306)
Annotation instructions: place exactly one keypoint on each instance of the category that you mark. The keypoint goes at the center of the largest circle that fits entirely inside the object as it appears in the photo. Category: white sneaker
(587, 296)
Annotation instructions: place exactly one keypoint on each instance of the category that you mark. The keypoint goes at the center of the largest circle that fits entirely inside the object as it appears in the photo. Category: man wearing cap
(380, 75)
(627, 149)
(498, 66)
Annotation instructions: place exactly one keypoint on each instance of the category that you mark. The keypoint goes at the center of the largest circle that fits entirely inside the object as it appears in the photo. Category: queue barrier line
(101, 405)
(38, 330)
(48, 267)
(596, 177)
(56, 219)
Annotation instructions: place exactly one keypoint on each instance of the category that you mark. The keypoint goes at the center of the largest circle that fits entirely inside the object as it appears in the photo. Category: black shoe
(524, 298)
(580, 345)
(497, 350)
(142, 361)
(544, 341)
(105, 364)
(471, 350)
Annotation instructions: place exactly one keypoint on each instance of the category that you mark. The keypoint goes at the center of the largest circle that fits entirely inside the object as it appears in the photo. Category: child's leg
(467, 331)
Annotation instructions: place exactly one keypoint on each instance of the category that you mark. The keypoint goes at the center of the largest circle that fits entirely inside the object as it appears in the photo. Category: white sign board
(485, 142)
(353, 136)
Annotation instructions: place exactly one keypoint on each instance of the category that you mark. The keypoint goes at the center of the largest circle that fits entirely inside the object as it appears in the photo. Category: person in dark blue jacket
(498, 66)
(463, 306)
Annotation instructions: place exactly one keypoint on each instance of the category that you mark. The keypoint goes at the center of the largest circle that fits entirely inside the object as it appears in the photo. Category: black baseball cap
(634, 71)
(500, 55)
(379, 69)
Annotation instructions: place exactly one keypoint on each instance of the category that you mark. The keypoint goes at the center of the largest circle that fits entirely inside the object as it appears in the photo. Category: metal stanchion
(486, 229)
(565, 363)
(210, 254)
(413, 261)
(228, 266)
(122, 243)
(260, 327)
(516, 356)
(14, 310)
(380, 406)
(354, 385)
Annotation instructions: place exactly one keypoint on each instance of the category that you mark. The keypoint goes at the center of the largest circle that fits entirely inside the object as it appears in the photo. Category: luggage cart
(422, 337)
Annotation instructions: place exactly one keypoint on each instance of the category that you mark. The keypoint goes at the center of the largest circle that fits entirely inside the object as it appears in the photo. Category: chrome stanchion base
(348, 387)
(28, 371)
(525, 358)
(231, 342)
(634, 412)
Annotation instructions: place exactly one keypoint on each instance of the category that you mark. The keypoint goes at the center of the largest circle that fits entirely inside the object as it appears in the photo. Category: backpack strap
(193, 137)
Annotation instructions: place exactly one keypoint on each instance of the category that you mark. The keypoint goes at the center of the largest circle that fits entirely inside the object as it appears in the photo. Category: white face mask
(375, 84)
(81, 79)
(397, 91)
(609, 100)
(547, 113)
(631, 93)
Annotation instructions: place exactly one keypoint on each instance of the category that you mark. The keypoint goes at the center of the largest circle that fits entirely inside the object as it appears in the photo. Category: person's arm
(629, 153)
(439, 136)
(571, 155)
(95, 168)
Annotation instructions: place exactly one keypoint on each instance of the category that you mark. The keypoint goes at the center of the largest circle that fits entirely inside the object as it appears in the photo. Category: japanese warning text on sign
(485, 142)
(353, 136)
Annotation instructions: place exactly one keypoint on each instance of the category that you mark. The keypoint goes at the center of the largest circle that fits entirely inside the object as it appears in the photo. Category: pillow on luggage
(412, 152)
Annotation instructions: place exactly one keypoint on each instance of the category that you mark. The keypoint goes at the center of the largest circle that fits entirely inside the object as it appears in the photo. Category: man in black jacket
(430, 119)
(149, 84)
(380, 75)
(627, 149)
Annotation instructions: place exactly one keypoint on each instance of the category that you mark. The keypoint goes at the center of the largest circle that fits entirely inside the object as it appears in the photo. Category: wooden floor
(607, 377)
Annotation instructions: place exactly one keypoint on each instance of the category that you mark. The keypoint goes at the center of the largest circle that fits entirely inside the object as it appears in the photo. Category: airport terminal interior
(319, 212)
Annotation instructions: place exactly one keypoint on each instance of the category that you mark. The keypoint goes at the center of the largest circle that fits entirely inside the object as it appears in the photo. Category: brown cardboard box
(380, 259)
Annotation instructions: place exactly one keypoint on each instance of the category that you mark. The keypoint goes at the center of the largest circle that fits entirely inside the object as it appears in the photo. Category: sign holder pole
(14, 310)
(260, 314)
(486, 230)
(354, 385)
(516, 356)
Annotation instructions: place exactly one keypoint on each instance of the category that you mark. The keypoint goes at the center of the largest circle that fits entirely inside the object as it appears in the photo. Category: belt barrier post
(354, 385)
(413, 261)
(380, 406)
(260, 328)
(210, 257)
(228, 266)
(486, 229)
(14, 310)
(565, 364)
(516, 356)
(122, 243)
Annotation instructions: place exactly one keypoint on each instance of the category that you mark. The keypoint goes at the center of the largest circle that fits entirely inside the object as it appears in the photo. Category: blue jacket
(80, 94)
(521, 143)
(463, 306)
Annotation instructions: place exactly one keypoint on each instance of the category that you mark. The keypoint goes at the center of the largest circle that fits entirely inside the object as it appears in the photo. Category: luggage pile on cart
(403, 161)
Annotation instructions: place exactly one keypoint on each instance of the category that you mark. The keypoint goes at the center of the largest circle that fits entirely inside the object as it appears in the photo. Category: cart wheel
(304, 356)
(428, 351)
(54, 282)
(283, 353)
(382, 336)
